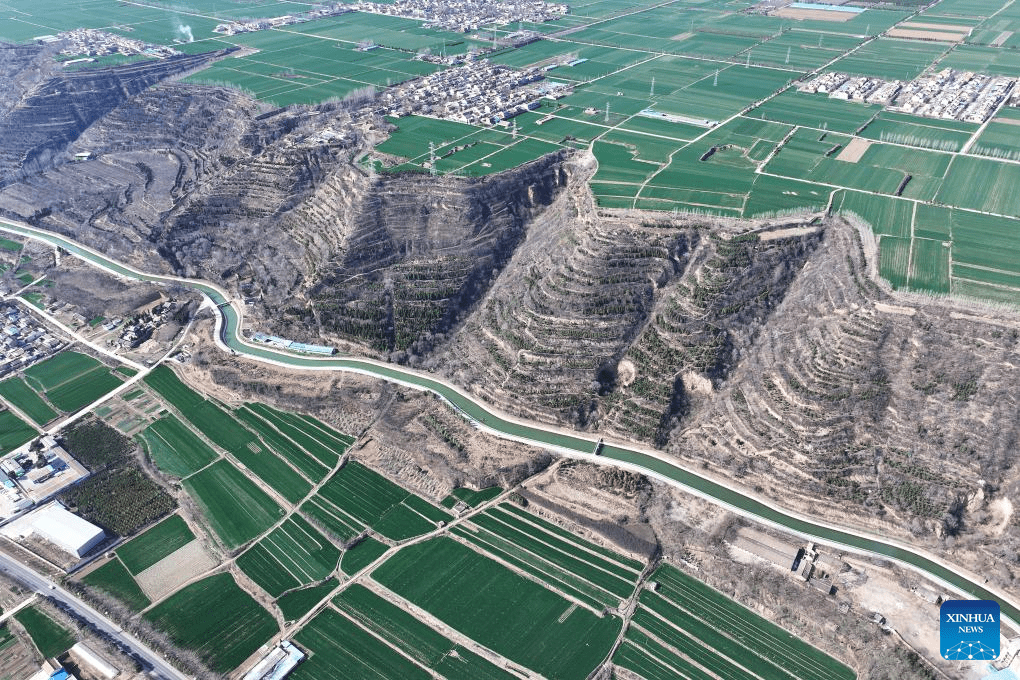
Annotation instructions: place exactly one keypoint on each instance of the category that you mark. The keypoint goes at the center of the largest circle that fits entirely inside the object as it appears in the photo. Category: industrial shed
(62, 528)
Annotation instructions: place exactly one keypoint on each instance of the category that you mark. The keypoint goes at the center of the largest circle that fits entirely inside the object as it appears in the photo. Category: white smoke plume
(184, 31)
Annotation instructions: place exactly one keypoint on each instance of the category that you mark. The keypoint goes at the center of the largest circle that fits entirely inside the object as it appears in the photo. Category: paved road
(620, 454)
(41, 584)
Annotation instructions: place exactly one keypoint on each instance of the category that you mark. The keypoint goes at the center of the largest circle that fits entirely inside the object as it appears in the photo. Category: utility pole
(747, 64)
(432, 158)
(715, 81)
(788, 54)
(607, 112)
(651, 92)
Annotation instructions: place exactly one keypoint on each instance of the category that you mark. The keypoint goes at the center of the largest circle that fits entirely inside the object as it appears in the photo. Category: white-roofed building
(60, 527)
(90, 658)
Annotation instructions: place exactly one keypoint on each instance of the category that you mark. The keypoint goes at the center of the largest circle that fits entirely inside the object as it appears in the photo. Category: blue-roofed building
(313, 349)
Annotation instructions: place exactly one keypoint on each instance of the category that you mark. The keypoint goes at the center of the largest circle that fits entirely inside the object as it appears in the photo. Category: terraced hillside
(603, 317)
(195, 180)
(419, 251)
(766, 354)
(52, 115)
(855, 400)
(22, 67)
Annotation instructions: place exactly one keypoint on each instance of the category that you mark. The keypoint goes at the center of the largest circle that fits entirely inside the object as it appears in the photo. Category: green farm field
(84, 389)
(293, 555)
(234, 506)
(393, 624)
(920, 132)
(929, 266)
(324, 445)
(887, 215)
(738, 642)
(174, 448)
(297, 603)
(574, 567)
(512, 615)
(17, 392)
(216, 619)
(403, 631)
(114, 579)
(894, 260)
(59, 369)
(225, 431)
(340, 649)
(13, 431)
(154, 544)
(50, 638)
(891, 59)
(165, 382)
(982, 184)
(471, 497)
(356, 498)
(305, 462)
(361, 555)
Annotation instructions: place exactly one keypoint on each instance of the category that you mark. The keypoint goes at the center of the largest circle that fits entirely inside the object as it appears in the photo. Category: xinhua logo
(969, 630)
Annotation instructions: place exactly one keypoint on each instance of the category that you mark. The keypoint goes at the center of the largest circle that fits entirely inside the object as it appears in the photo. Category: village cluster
(463, 16)
(476, 93)
(87, 42)
(948, 94)
(251, 25)
(23, 341)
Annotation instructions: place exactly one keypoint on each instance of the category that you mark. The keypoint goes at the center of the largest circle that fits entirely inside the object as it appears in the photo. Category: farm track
(625, 455)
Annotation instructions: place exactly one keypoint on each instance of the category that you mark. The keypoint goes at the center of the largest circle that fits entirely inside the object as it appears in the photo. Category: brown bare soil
(940, 36)
(18, 660)
(1008, 121)
(787, 233)
(950, 28)
(853, 151)
(174, 570)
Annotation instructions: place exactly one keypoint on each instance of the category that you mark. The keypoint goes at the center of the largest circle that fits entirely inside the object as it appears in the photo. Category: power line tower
(432, 158)
(651, 92)
(715, 81)
(747, 64)
(788, 54)
(514, 129)
(607, 112)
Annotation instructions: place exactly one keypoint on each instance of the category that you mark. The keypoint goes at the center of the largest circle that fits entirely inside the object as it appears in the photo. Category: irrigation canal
(646, 461)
